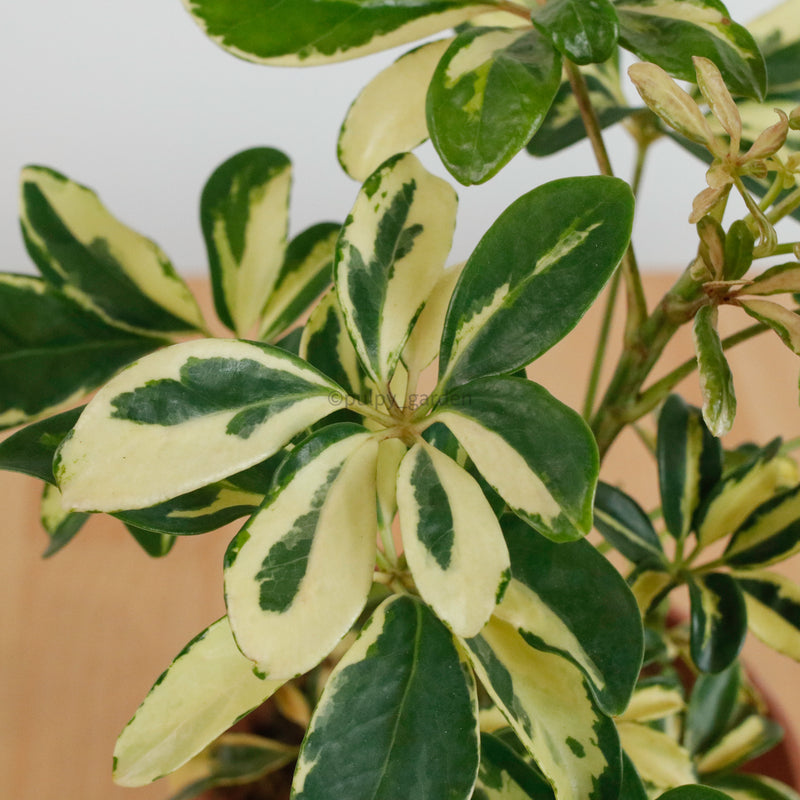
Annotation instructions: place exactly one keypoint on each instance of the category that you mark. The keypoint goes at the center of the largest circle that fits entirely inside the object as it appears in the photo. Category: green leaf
(244, 213)
(505, 775)
(712, 704)
(309, 32)
(689, 463)
(657, 757)
(632, 787)
(545, 469)
(742, 786)
(63, 350)
(451, 539)
(753, 736)
(200, 511)
(543, 606)
(739, 242)
(306, 272)
(776, 280)
(60, 524)
(388, 116)
(625, 525)
(488, 96)
(185, 417)
(718, 621)
(389, 256)
(670, 32)
(773, 609)
(527, 285)
(398, 718)
(779, 39)
(298, 574)
(326, 345)
(693, 793)
(741, 491)
(654, 699)
(122, 276)
(31, 450)
(209, 686)
(154, 544)
(770, 534)
(650, 584)
(546, 700)
(585, 31)
(783, 321)
(563, 126)
(235, 759)
(716, 378)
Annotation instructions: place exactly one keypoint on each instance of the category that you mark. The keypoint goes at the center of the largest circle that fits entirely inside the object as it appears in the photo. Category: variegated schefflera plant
(492, 476)
(107, 296)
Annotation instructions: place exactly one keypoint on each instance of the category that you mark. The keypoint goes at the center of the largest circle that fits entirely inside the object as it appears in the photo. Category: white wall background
(132, 100)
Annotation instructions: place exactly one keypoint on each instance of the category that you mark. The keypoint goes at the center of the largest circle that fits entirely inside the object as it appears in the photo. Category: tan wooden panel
(86, 632)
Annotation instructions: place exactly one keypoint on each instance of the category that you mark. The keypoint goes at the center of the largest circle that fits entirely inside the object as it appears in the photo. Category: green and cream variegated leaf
(398, 718)
(543, 606)
(773, 609)
(658, 758)
(689, 463)
(693, 792)
(59, 524)
(326, 345)
(205, 509)
(154, 543)
(63, 349)
(563, 125)
(711, 707)
(505, 775)
(548, 703)
(298, 574)
(751, 737)
(306, 272)
(232, 760)
(423, 342)
(244, 212)
(311, 32)
(501, 314)
(716, 378)
(150, 433)
(770, 534)
(78, 245)
(585, 31)
(649, 585)
(451, 539)
(31, 450)
(546, 469)
(718, 621)
(670, 32)
(784, 322)
(778, 34)
(488, 96)
(625, 525)
(389, 256)
(208, 687)
(388, 116)
(741, 492)
(741, 786)
(782, 278)
(654, 701)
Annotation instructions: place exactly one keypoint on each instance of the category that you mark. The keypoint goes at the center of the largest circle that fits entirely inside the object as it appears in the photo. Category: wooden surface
(87, 632)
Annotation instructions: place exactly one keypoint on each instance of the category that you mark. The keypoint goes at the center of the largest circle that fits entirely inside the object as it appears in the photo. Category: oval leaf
(505, 775)
(527, 285)
(309, 32)
(488, 96)
(298, 574)
(545, 470)
(59, 524)
(123, 276)
(208, 687)
(244, 215)
(753, 787)
(451, 538)
(711, 706)
(585, 31)
(547, 702)
(542, 604)
(389, 256)
(149, 434)
(398, 718)
(753, 736)
(657, 757)
(716, 378)
(63, 349)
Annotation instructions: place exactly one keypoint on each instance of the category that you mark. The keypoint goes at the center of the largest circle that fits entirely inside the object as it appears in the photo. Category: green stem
(389, 550)
(789, 204)
(780, 250)
(602, 343)
(773, 193)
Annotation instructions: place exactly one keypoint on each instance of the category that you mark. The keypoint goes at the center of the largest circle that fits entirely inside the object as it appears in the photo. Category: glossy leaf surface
(585, 31)
(716, 378)
(385, 725)
(501, 313)
(488, 96)
(545, 470)
(718, 621)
